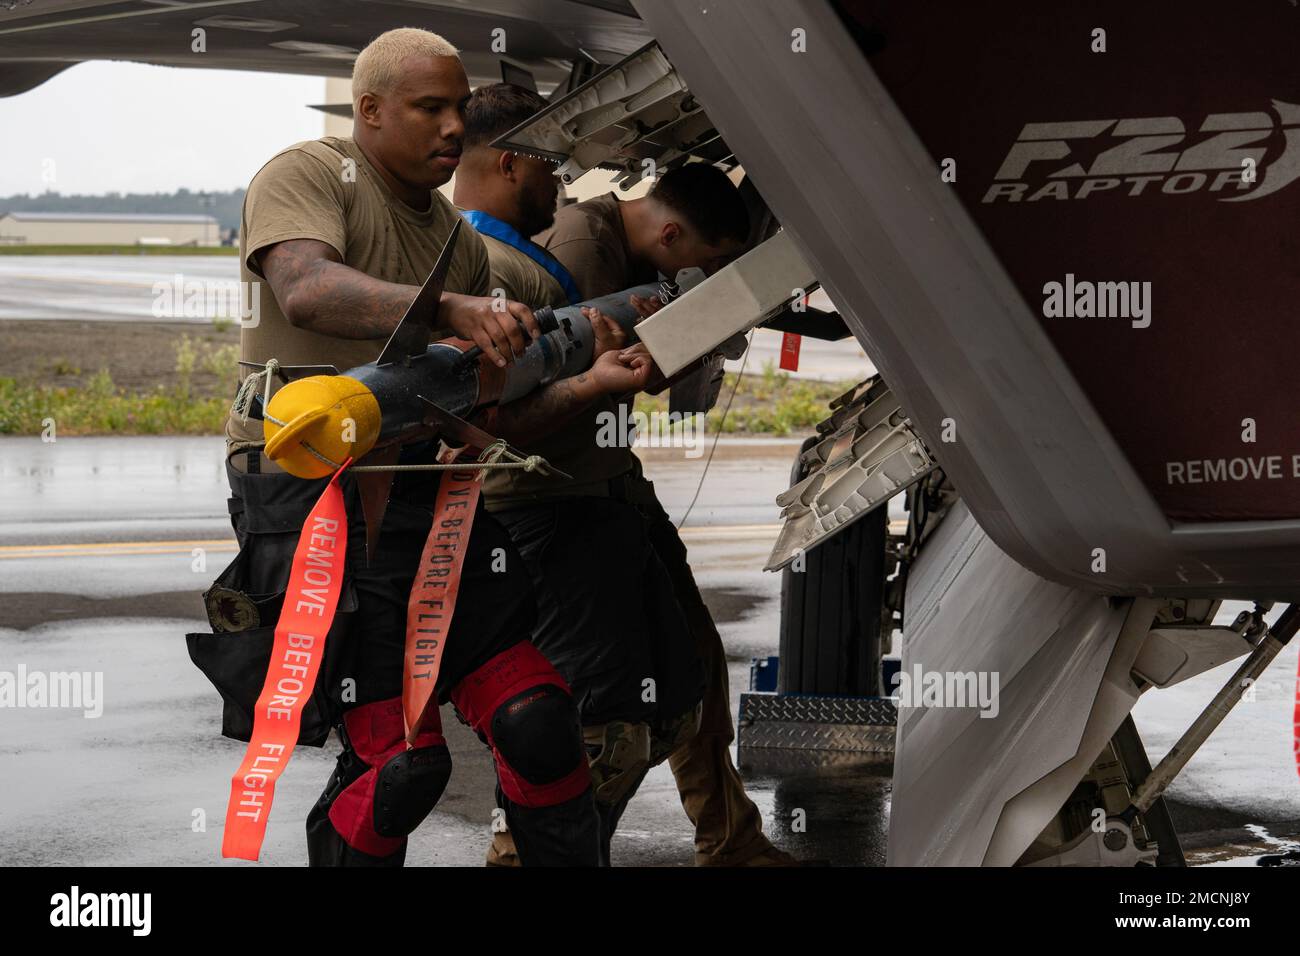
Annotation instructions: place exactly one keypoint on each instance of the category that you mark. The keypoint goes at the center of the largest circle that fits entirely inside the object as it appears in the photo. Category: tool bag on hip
(243, 606)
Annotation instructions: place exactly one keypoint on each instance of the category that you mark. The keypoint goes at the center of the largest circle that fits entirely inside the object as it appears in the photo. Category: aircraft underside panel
(972, 789)
(1120, 190)
(1110, 454)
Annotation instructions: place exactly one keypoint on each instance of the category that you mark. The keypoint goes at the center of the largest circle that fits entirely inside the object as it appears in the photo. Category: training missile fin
(412, 335)
(374, 488)
(456, 429)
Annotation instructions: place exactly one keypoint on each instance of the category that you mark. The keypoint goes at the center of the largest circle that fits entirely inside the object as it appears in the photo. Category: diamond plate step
(807, 722)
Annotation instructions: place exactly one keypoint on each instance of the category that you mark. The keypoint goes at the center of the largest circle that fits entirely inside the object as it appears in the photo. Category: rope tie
(492, 457)
(242, 406)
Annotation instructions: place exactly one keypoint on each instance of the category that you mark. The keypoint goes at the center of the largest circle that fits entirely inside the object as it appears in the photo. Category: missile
(315, 423)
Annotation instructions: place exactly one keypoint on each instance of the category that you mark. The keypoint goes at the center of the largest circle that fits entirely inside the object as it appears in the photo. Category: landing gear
(832, 633)
(1089, 831)
(1117, 816)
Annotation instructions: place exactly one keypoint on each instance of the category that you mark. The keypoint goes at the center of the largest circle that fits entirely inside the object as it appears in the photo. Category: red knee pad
(377, 734)
(524, 672)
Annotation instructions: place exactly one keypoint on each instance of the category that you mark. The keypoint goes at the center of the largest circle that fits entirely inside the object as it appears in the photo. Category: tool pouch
(243, 606)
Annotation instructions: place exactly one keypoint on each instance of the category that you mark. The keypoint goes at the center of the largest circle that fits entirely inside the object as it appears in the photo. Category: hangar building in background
(96, 229)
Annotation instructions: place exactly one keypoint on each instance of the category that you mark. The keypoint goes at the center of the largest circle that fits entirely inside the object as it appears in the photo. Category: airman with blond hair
(343, 231)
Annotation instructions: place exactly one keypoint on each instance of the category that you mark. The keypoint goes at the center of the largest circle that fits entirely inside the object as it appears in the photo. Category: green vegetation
(124, 250)
(100, 407)
(767, 403)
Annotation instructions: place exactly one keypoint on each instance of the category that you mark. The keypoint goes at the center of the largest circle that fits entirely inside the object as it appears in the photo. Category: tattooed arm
(540, 414)
(316, 291)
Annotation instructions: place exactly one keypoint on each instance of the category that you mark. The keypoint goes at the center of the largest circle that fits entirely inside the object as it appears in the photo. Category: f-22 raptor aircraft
(1061, 233)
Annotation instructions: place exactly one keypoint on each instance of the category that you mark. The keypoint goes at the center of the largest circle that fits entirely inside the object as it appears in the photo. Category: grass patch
(101, 407)
(767, 403)
(123, 250)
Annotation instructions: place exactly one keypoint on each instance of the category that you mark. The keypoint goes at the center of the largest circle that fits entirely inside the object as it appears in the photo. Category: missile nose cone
(322, 417)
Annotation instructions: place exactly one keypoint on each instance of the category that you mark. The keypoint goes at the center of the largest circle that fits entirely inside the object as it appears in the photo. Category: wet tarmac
(105, 545)
(105, 288)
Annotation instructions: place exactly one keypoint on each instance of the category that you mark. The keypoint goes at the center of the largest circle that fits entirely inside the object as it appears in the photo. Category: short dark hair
(703, 195)
(496, 109)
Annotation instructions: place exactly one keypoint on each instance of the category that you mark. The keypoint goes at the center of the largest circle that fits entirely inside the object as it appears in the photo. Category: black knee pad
(538, 734)
(409, 787)
(325, 846)
(379, 791)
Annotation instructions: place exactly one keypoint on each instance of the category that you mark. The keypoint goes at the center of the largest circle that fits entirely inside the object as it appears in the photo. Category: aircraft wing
(41, 38)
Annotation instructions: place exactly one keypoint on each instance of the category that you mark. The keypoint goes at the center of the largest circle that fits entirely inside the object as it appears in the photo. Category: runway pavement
(105, 288)
(106, 544)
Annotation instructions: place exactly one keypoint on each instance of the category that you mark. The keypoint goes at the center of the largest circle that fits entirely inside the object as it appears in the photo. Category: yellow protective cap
(336, 415)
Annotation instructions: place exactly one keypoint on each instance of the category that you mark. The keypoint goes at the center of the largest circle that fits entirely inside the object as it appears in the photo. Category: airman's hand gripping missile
(313, 424)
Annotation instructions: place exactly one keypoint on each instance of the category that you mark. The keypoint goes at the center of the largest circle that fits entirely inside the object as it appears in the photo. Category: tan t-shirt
(327, 190)
(520, 278)
(588, 239)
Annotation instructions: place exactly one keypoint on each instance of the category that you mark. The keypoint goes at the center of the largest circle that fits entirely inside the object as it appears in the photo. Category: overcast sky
(128, 127)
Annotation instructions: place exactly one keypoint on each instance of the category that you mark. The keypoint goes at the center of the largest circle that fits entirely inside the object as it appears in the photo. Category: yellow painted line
(729, 531)
(733, 532)
(112, 548)
(111, 554)
(206, 543)
(738, 531)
